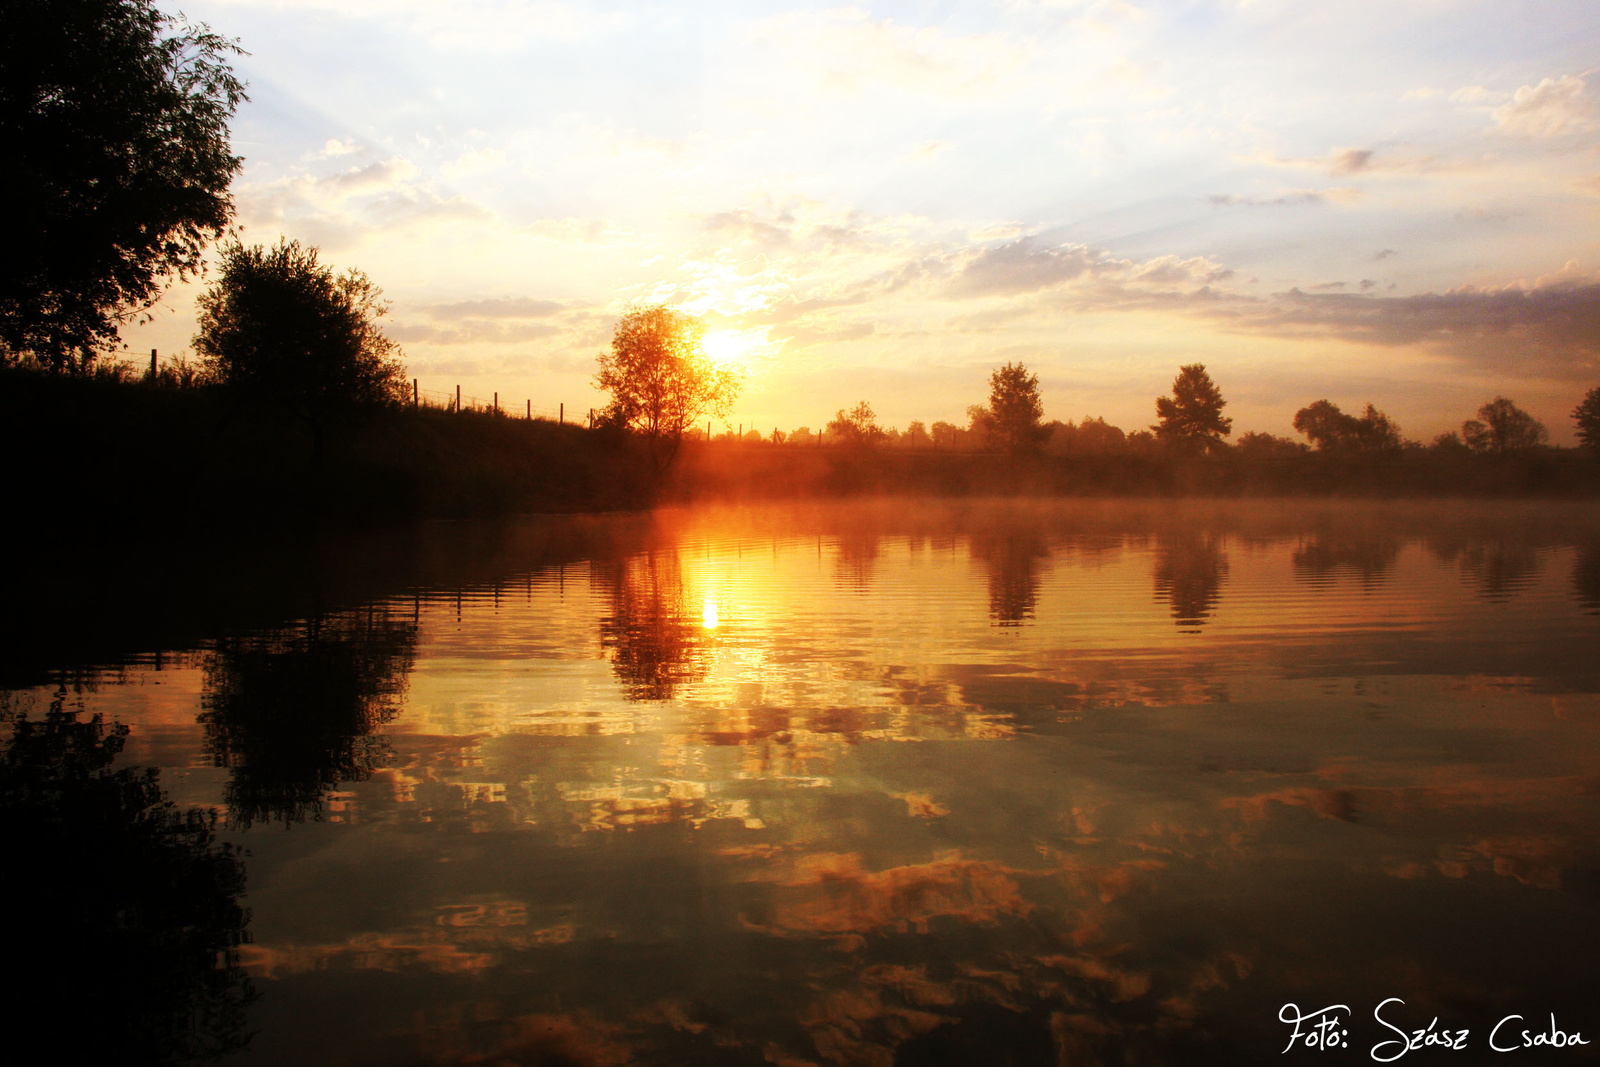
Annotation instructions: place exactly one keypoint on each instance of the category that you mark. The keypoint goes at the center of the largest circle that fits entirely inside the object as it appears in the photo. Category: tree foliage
(858, 426)
(659, 376)
(1587, 415)
(114, 118)
(1192, 416)
(1331, 430)
(1501, 427)
(283, 328)
(1015, 409)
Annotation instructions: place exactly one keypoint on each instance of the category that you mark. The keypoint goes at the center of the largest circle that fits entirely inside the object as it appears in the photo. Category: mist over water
(888, 782)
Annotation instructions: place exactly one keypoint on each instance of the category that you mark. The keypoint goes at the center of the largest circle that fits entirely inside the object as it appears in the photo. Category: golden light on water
(708, 614)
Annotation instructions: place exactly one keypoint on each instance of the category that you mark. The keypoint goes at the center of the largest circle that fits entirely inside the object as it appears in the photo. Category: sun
(728, 348)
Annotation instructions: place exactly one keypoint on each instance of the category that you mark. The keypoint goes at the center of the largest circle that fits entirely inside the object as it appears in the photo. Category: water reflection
(1013, 555)
(1586, 577)
(1189, 570)
(293, 712)
(1368, 555)
(123, 914)
(992, 803)
(1498, 567)
(658, 637)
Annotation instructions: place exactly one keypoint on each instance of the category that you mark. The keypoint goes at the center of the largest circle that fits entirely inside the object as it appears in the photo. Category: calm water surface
(858, 784)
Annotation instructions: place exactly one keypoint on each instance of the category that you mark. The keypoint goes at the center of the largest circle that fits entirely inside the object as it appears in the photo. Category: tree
(282, 328)
(1192, 416)
(1501, 427)
(114, 118)
(1331, 430)
(1014, 409)
(659, 376)
(1587, 415)
(857, 426)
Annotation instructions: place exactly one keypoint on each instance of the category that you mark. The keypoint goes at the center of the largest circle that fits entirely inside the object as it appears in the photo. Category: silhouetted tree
(114, 117)
(1501, 427)
(916, 435)
(294, 712)
(1587, 415)
(1331, 430)
(282, 328)
(659, 376)
(1015, 409)
(858, 426)
(657, 640)
(123, 913)
(1192, 416)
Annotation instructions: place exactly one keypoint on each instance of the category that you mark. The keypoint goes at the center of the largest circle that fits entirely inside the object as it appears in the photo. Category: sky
(1393, 202)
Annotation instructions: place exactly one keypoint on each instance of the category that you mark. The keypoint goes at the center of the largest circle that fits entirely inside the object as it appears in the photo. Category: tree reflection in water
(293, 712)
(1497, 567)
(658, 641)
(1327, 554)
(1012, 556)
(123, 912)
(1189, 570)
(1586, 578)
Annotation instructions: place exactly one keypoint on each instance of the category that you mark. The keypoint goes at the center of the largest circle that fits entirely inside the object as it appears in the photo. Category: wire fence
(495, 403)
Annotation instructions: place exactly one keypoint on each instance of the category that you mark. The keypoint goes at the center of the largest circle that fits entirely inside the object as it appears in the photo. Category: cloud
(502, 308)
(1025, 265)
(1350, 160)
(1019, 267)
(1476, 94)
(848, 53)
(1338, 194)
(1549, 327)
(1554, 107)
(473, 331)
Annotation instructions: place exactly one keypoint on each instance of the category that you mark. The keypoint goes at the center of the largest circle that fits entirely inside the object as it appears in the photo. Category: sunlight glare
(708, 615)
(727, 348)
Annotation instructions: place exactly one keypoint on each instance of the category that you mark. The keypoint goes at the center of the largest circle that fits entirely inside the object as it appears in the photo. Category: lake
(894, 782)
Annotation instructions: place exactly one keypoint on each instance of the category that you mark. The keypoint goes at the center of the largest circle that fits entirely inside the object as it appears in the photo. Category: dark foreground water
(866, 784)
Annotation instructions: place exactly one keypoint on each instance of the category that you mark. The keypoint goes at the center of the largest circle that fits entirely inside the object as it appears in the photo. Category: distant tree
(916, 435)
(1264, 446)
(282, 328)
(1099, 437)
(1587, 415)
(1015, 409)
(114, 117)
(1331, 430)
(943, 434)
(980, 426)
(1192, 416)
(858, 426)
(801, 435)
(659, 376)
(1501, 427)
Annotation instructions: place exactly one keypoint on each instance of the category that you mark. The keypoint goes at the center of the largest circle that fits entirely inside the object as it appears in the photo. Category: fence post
(563, 415)
(458, 399)
(152, 364)
(497, 402)
(530, 409)
(416, 394)
(591, 418)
